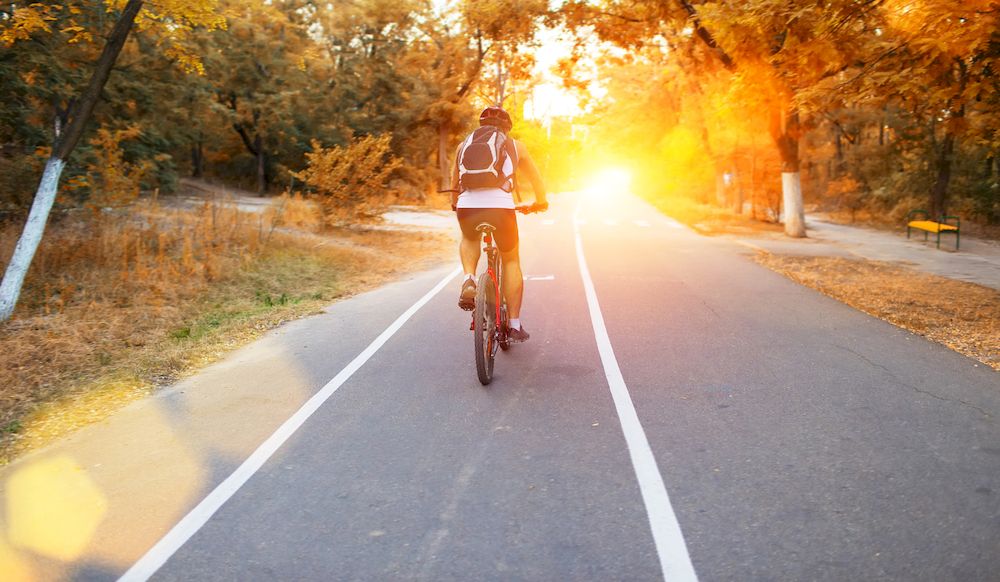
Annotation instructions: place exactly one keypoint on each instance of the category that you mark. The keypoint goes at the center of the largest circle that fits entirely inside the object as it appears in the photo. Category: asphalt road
(797, 438)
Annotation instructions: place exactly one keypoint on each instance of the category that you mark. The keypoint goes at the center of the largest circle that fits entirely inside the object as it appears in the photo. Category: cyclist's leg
(468, 251)
(513, 282)
(468, 248)
(507, 241)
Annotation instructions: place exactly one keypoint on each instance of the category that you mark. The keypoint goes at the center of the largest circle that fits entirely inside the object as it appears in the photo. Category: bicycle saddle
(485, 227)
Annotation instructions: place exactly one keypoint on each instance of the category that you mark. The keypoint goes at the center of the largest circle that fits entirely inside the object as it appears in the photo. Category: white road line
(610, 222)
(540, 278)
(642, 223)
(197, 517)
(548, 222)
(675, 562)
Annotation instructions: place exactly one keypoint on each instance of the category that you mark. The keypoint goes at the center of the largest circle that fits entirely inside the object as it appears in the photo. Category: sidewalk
(978, 261)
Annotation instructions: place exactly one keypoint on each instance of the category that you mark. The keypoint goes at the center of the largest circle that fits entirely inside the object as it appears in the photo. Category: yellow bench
(928, 226)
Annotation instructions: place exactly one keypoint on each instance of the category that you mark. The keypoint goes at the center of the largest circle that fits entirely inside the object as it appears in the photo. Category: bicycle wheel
(504, 340)
(484, 332)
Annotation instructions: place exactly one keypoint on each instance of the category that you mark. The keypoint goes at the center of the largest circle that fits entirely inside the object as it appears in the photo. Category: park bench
(928, 226)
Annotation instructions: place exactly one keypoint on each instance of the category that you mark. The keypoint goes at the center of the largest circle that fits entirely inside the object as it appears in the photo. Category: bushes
(351, 180)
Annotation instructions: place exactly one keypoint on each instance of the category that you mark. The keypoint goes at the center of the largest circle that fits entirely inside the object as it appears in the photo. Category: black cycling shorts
(505, 221)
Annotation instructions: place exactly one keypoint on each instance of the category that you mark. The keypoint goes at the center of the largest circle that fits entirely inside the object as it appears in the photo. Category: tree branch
(706, 36)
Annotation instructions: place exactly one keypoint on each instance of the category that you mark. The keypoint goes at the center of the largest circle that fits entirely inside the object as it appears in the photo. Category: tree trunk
(65, 142)
(736, 186)
(939, 194)
(443, 165)
(720, 187)
(197, 160)
(261, 165)
(838, 167)
(785, 129)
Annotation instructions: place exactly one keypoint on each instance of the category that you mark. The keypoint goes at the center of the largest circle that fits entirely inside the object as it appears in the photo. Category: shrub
(351, 180)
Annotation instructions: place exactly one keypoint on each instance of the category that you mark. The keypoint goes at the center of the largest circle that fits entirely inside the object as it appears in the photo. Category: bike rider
(495, 206)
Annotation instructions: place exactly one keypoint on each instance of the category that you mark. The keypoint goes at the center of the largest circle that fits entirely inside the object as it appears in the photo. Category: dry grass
(116, 305)
(712, 220)
(963, 316)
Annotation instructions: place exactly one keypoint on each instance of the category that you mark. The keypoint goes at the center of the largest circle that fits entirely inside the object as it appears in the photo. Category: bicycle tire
(504, 340)
(484, 329)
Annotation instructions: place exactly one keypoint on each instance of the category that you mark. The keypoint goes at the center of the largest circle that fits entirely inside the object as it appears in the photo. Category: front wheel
(484, 328)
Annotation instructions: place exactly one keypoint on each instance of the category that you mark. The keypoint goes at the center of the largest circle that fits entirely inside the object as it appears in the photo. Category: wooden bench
(928, 226)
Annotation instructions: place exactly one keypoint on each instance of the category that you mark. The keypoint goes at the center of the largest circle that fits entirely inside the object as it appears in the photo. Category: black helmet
(496, 116)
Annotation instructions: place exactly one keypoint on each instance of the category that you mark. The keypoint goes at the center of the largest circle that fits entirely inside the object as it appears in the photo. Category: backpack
(482, 158)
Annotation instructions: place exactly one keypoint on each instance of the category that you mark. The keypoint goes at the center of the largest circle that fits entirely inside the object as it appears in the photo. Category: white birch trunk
(24, 252)
(795, 216)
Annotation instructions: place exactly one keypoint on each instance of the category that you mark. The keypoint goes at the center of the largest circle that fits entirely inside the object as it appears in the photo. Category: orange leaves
(171, 22)
(113, 181)
(351, 179)
(28, 20)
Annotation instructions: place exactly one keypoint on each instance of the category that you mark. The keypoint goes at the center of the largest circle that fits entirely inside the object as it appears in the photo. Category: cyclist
(495, 205)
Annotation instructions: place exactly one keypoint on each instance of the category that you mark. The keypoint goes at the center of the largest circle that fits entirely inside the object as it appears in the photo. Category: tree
(779, 48)
(27, 20)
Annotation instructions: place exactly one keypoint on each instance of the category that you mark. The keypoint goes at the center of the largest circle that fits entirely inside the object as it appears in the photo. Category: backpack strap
(511, 148)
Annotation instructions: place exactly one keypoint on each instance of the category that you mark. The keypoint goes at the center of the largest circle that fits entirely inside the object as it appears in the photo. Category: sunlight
(54, 508)
(609, 181)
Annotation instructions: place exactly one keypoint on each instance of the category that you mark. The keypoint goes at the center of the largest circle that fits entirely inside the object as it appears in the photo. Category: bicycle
(489, 316)
(490, 324)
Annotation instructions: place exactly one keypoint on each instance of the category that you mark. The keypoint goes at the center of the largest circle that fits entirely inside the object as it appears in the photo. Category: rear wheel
(484, 328)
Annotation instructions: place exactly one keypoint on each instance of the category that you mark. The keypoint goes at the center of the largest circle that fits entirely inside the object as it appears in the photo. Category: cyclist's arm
(527, 165)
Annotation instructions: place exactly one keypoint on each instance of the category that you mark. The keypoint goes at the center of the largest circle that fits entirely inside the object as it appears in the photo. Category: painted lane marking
(539, 277)
(675, 562)
(579, 221)
(548, 222)
(642, 223)
(154, 559)
(610, 222)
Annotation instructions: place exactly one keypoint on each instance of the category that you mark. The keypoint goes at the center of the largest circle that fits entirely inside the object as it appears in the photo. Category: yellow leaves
(77, 34)
(114, 181)
(187, 59)
(170, 21)
(352, 178)
(28, 20)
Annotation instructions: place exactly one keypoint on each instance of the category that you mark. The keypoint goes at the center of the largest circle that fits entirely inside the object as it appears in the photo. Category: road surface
(777, 435)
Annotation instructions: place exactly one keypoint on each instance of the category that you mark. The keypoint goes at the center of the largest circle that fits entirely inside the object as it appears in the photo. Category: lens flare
(610, 181)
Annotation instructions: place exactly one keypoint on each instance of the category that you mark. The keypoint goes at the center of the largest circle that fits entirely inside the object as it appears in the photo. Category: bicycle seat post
(487, 230)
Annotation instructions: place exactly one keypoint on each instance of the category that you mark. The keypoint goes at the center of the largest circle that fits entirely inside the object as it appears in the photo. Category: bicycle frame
(493, 267)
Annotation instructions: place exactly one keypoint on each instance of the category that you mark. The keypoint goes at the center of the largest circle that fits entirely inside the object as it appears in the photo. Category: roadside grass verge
(963, 316)
(709, 219)
(117, 305)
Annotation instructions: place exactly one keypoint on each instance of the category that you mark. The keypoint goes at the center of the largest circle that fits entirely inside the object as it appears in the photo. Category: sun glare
(609, 182)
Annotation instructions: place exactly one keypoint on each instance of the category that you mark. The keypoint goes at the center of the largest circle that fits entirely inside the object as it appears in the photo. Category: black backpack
(481, 160)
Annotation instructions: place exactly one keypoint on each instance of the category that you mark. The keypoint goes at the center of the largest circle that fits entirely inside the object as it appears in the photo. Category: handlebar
(523, 209)
(532, 208)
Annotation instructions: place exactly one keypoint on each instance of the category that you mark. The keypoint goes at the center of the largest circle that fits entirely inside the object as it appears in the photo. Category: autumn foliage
(351, 181)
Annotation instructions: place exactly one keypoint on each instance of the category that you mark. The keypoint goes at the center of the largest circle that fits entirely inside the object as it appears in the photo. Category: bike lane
(798, 438)
(412, 470)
